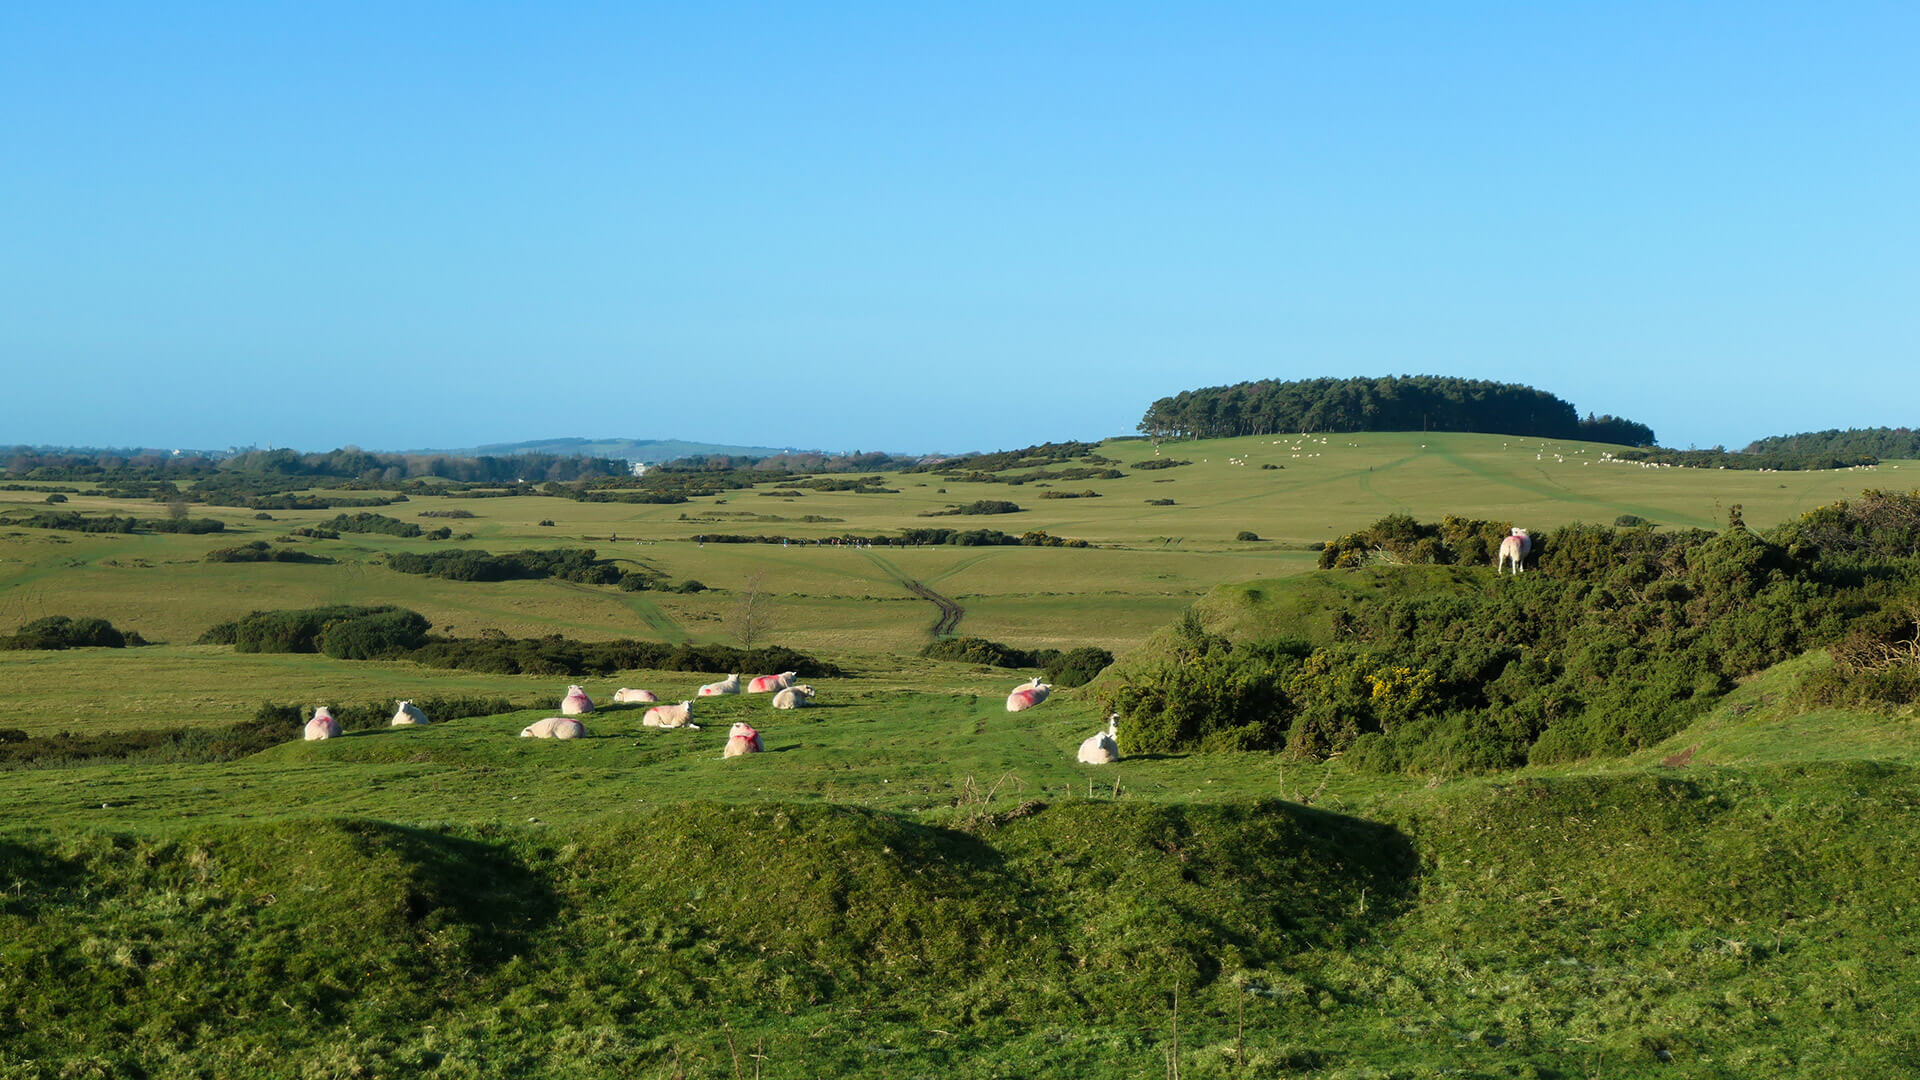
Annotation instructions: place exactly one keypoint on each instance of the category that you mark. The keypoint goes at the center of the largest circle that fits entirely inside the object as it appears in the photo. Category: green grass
(913, 882)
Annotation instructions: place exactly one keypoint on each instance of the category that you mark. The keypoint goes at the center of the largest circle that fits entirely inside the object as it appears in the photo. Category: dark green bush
(63, 632)
(1246, 534)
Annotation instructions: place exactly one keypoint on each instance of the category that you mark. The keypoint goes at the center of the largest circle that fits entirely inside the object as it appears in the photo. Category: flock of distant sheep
(1099, 749)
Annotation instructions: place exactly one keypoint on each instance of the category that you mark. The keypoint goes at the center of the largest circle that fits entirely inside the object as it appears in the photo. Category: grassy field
(1149, 562)
(912, 881)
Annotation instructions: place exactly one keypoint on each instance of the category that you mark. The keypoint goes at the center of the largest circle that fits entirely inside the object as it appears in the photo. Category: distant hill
(1877, 442)
(651, 451)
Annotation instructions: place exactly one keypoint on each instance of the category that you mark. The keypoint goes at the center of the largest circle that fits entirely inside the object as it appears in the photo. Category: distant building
(638, 468)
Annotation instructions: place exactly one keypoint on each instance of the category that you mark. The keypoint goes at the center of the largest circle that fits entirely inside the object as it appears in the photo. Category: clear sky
(926, 227)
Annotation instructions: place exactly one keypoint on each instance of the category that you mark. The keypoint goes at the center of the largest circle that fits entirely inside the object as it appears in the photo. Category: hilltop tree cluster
(1394, 403)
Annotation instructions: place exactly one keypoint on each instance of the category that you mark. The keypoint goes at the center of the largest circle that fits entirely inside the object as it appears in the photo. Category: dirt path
(950, 612)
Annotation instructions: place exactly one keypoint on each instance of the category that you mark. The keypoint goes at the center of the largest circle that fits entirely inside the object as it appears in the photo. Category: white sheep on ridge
(728, 685)
(322, 726)
(408, 715)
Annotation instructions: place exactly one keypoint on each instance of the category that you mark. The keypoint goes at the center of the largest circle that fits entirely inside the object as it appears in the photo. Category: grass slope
(913, 881)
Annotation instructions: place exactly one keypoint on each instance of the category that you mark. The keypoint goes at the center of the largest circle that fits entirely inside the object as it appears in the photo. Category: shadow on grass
(457, 880)
(31, 878)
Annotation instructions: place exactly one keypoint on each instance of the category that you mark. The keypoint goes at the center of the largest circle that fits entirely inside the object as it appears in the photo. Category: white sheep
(772, 684)
(671, 716)
(728, 685)
(408, 715)
(741, 739)
(1513, 548)
(322, 726)
(554, 727)
(1102, 747)
(793, 697)
(576, 702)
(1028, 694)
(624, 696)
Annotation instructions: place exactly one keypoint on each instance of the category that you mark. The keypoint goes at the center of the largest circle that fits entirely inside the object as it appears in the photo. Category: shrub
(260, 551)
(63, 632)
(1246, 534)
(1159, 463)
(302, 630)
(981, 506)
(56, 497)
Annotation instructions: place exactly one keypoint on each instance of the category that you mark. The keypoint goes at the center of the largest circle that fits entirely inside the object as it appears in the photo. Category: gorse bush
(1075, 667)
(1620, 638)
(261, 551)
(64, 632)
(370, 523)
(346, 632)
(567, 564)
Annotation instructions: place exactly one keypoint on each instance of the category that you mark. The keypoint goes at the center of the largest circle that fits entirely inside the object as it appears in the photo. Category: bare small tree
(751, 620)
(177, 509)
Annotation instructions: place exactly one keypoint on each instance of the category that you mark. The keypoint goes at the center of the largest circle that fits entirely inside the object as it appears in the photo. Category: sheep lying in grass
(554, 727)
(741, 739)
(408, 715)
(576, 702)
(322, 726)
(728, 685)
(1102, 747)
(1028, 694)
(793, 697)
(623, 696)
(772, 684)
(671, 716)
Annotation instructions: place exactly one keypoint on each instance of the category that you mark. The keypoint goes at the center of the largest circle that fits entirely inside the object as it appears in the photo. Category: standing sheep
(1513, 548)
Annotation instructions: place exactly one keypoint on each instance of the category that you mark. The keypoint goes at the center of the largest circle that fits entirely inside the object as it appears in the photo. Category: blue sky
(913, 228)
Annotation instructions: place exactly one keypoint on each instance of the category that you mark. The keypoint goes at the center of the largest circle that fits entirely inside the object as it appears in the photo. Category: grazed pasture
(911, 881)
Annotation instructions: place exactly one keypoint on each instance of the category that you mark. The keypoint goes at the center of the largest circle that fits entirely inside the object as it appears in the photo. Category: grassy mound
(1696, 923)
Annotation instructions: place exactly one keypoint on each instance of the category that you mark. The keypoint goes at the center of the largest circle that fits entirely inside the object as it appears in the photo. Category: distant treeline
(1394, 403)
(908, 538)
(347, 463)
(1778, 461)
(74, 521)
(1852, 443)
